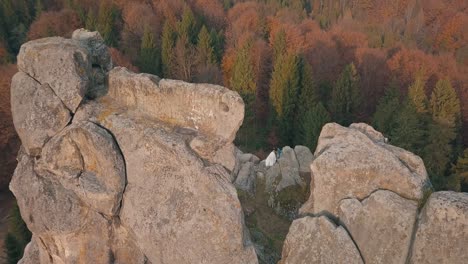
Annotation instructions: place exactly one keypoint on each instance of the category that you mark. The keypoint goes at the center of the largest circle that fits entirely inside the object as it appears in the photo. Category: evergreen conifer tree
(205, 49)
(445, 105)
(388, 107)
(312, 123)
(149, 59)
(106, 22)
(345, 98)
(243, 78)
(417, 94)
(167, 48)
(187, 26)
(217, 42)
(90, 23)
(408, 131)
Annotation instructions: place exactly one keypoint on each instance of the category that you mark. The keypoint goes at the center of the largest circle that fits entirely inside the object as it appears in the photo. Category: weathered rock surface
(287, 180)
(49, 58)
(118, 167)
(381, 225)
(38, 113)
(85, 159)
(31, 254)
(318, 240)
(442, 232)
(351, 164)
(94, 43)
(142, 173)
(214, 111)
(304, 157)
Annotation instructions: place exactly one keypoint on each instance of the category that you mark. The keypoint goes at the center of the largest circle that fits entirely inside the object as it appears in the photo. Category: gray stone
(246, 178)
(285, 185)
(442, 234)
(381, 226)
(192, 203)
(349, 164)
(318, 240)
(38, 114)
(84, 158)
(215, 112)
(304, 157)
(94, 43)
(61, 63)
(31, 254)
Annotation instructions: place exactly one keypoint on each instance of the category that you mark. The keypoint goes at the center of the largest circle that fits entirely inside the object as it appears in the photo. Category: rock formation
(365, 197)
(118, 167)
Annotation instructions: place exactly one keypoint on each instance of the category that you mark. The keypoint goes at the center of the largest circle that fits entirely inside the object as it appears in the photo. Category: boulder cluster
(119, 167)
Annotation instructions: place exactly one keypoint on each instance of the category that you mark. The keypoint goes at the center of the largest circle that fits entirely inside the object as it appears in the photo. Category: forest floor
(7, 200)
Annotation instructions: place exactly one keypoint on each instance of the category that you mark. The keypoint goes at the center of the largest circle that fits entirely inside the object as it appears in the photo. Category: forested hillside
(400, 65)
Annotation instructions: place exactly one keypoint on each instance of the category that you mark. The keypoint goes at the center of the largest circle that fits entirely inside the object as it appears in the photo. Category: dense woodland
(401, 65)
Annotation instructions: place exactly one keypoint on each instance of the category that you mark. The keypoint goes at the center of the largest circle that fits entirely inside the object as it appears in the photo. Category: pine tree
(445, 105)
(417, 94)
(284, 93)
(345, 98)
(437, 153)
(205, 52)
(90, 23)
(309, 93)
(187, 26)
(279, 45)
(106, 22)
(442, 131)
(217, 42)
(408, 131)
(388, 107)
(167, 49)
(312, 122)
(243, 78)
(149, 60)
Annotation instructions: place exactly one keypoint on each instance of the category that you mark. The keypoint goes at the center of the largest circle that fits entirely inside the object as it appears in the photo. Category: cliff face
(136, 176)
(118, 167)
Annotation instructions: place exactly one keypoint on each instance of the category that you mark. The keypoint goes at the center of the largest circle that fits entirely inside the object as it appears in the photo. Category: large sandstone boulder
(140, 174)
(214, 111)
(85, 159)
(48, 58)
(381, 225)
(197, 217)
(442, 231)
(318, 240)
(354, 162)
(38, 113)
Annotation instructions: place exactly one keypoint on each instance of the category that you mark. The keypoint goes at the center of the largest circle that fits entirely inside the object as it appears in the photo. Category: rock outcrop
(354, 162)
(442, 231)
(285, 183)
(371, 194)
(318, 240)
(118, 167)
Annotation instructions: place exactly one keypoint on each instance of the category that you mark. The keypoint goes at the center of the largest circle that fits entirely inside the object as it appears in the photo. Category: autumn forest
(401, 65)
